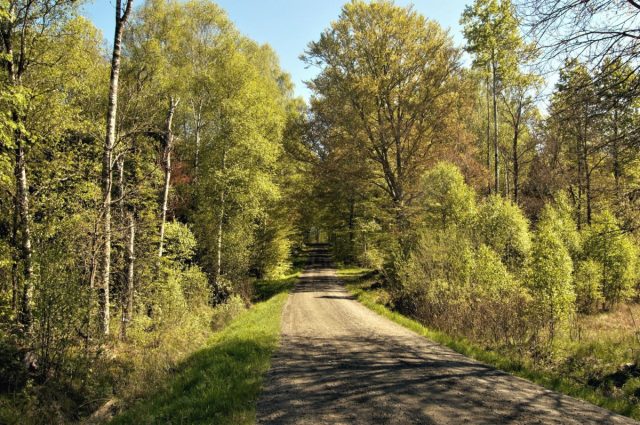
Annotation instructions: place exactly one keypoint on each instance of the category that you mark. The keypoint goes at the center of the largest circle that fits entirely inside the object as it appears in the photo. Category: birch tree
(25, 27)
(122, 12)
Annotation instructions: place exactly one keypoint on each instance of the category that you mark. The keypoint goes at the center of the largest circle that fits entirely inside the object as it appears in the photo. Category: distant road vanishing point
(341, 363)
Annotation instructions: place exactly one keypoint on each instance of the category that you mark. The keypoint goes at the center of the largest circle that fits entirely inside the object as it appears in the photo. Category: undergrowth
(221, 382)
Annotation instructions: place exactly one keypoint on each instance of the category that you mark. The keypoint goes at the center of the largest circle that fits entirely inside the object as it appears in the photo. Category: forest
(149, 188)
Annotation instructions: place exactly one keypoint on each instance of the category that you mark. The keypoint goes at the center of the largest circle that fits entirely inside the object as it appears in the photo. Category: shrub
(271, 252)
(588, 286)
(367, 242)
(195, 286)
(447, 199)
(499, 302)
(372, 258)
(501, 225)
(559, 215)
(225, 313)
(180, 243)
(605, 243)
(550, 280)
(434, 278)
(490, 277)
(165, 300)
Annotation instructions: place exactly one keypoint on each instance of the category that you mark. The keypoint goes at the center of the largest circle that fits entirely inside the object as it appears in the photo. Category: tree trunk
(127, 302)
(516, 163)
(488, 130)
(15, 278)
(516, 167)
(580, 188)
(220, 224)
(22, 195)
(617, 169)
(110, 139)
(120, 167)
(495, 122)
(351, 225)
(588, 195)
(25, 316)
(219, 243)
(168, 146)
(587, 171)
(197, 111)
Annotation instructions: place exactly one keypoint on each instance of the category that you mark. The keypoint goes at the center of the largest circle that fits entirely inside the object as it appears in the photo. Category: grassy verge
(363, 288)
(221, 382)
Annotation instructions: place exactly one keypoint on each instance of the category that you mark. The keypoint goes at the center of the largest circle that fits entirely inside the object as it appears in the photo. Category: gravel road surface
(341, 363)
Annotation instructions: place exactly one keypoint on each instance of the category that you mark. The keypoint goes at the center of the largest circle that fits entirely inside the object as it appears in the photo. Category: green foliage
(435, 275)
(608, 245)
(491, 279)
(447, 198)
(180, 243)
(271, 251)
(491, 30)
(550, 280)
(254, 170)
(220, 382)
(501, 225)
(165, 297)
(499, 303)
(369, 87)
(559, 216)
(588, 286)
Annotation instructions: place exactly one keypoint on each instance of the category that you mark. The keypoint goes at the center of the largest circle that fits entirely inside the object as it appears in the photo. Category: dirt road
(340, 363)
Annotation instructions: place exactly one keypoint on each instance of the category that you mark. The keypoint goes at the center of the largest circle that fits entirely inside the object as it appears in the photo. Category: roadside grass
(361, 284)
(221, 382)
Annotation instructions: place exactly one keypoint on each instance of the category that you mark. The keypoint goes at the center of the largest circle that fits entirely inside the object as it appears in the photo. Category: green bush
(447, 200)
(550, 280)
(499, 302)
(559, 215)
(490, 277)
(588, 286)
(271, 252)
(165, 299)
(501, 225)
(607, 244)
(372, 258)
(180, 243)
(367, 244)
(434, 278)
(225, 313)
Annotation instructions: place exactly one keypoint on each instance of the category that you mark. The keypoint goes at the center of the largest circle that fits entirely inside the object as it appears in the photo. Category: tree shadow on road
(366, 380)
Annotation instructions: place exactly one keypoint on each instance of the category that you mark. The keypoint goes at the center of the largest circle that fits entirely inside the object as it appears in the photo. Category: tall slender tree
(122, 12)
(24, 26)
(492, 34)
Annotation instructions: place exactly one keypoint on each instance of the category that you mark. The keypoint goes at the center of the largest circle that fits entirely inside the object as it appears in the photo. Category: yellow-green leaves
(606, 243)
(448, 201)
(384, 71)
(503, 226)
(492, 34)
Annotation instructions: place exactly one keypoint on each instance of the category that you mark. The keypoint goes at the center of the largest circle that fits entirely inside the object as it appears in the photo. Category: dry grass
(621, 323)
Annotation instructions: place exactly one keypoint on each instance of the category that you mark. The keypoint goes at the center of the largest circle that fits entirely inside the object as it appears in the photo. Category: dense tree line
(490, 213)
(144, 186)
(141, 189)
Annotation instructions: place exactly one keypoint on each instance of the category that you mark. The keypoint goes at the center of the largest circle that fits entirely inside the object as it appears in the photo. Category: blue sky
(288, 25)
